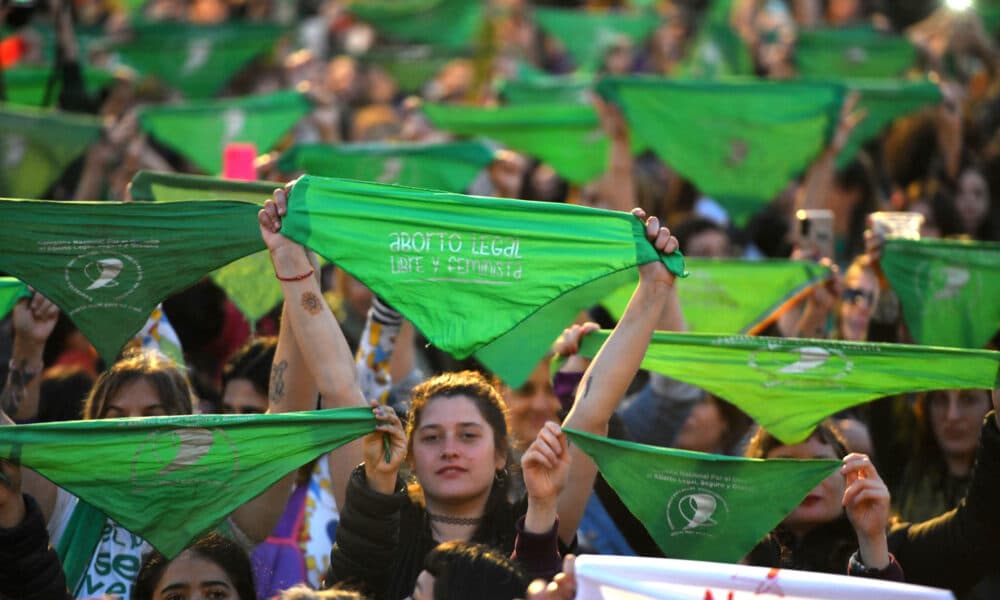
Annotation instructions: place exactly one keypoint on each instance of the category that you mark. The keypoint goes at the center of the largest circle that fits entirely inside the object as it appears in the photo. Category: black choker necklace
(454, 520)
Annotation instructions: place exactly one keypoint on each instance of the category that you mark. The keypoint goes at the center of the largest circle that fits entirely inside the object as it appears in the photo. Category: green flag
(37, 145)
(495, 277)
(411, 66)
(571, 89)
(196, 60)
(703, 506)
(735, 296)
(168, 479)
(852, 52)
(108, 264)
(790, 385)
(717, 50)
(11, 290)
(449, 166)
(741, 142)
(440, 23)
(200, 131)
(26, 85)
(587, 36)
(566, 136)
(949, 290)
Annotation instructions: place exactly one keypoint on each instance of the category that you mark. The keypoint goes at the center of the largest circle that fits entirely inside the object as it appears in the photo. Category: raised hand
(545, 464)
(656, 272)
(866, 501)
(34, 319)
(381, 473)
(568, 345)
(270, 217)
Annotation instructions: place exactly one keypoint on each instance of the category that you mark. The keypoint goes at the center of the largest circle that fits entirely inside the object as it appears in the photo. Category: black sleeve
(956, 549)
(29, 567)
(367, 537)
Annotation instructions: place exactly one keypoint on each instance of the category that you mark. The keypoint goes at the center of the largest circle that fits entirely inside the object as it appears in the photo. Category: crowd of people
(468, 487)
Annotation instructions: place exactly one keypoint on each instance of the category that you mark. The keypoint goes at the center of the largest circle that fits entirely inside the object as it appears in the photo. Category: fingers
(269, 216)
(549, 448)
(280, 198)
(661, 238)
(568, 343)
(858, 466)
(43, 309)
(865, 491)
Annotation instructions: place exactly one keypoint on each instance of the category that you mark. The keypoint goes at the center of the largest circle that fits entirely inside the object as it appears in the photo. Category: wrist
(27, 350)
(290, 261)
(874, 552)
(383, 483)
(540, 516)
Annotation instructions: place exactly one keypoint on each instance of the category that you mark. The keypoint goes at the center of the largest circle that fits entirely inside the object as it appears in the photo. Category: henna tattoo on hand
(312, 303)
(277, 392)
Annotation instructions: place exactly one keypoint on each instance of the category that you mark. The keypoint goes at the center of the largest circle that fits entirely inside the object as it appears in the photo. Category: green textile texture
(789, 385)
(703, 506)
(26, 85)
(198, 61)
(11, 290)
(587, 36)
(852, 52)
(732, 295)
(37, 145)
(448, 166)
(740, 142)
(108, 264)
(169, 479)
(717, 50)
(448, 24)
(411, 66)
(566, 136)
(571, 89)
(492, 277)
(200, 131)
(949, 290)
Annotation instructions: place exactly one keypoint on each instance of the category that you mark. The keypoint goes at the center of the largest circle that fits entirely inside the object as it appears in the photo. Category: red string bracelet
(297, 277)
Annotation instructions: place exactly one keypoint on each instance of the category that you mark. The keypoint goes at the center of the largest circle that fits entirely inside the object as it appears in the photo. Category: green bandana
(587, 36)
(450, 167)
(11, 290)
(573, 89)
(168, 479)
(26, 85)
(948, 289)
(852, 52)
(495, 277)
(703, 506)
(200, 131)
(440, 23)
(790, 385)
(197, 61)
(717, 50)
(107, 264)
(741, 142)
(735, 296)
(410, 66)
(566, 136)
(37, 145)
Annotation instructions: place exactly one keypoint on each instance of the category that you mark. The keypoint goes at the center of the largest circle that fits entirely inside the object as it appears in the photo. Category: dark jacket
(29, 567)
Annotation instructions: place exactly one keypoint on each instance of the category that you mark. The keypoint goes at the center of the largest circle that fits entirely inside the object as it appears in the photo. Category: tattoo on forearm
(311, 303)
(277, 393)
(586, 386)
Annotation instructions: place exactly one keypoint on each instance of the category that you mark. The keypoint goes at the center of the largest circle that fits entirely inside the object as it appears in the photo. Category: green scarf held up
(572, 89)
(949, 290)
(196, 60)
(852, 52)
(566, 136)
(200, 131)
(26, 85)
(740, 142)
(108, 264)
(735, 296)
(717, 50)
(448, 166)
(11, 290)
(492, 277)
(789, 385)
(700, 506)
(411, 66)
(450, 24)
(37, 145)
(587, 36)
(169, 479)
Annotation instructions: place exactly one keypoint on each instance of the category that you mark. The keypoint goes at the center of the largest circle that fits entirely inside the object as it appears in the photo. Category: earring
(501, 475)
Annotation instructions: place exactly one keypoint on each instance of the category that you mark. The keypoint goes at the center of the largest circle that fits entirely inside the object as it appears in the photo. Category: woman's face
(860, 298)
(531, 405)
(137, 398)
(704, 428)
(191, 577)
(956, 417)
(454, 455)
(241, 398)
(972, 200)
(824, 503)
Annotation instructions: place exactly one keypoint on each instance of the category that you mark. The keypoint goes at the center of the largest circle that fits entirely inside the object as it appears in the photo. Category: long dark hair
(213, 547)
(462, 570)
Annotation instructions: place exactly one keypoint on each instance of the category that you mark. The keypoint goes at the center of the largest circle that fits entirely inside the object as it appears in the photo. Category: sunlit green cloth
(852, 52)
(703, 506)
(169, 479)
(587, 36)
(196, 60)
(441, 23)
(447, 166)
(11, 290)
(566, 136)
(950, 291)
(739, 141)
(790, 385)
(492, 277)
(573, 89)
(200, 131)
(26, 85)
(735, 296)
(108, 264)
(36, 147)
